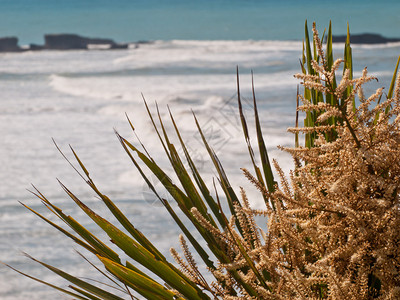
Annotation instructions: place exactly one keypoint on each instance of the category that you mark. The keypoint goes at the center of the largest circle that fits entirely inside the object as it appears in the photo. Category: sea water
(80, 97)
(132, 20)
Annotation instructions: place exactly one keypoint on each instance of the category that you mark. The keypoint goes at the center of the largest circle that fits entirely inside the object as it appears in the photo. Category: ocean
(188, 63)
(133, 20)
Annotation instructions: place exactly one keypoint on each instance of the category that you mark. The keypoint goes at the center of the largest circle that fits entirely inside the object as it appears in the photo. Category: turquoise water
(130, 20)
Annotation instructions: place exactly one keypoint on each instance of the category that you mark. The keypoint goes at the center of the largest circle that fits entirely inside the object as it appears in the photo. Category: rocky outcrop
(73, 42)
(364, 38)
(61, 42)
(35, 47)
(9, 44)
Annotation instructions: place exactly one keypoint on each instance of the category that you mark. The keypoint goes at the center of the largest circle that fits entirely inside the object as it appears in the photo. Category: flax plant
(333, 224)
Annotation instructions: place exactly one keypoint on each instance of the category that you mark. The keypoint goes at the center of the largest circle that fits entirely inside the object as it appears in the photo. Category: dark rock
(73, 41)
(9, 44)
(119, 46)
(144, 42)
(35, 47)
(61, 42)
(364, 38)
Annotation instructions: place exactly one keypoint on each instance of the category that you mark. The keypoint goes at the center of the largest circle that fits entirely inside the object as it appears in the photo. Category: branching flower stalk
(335, 231)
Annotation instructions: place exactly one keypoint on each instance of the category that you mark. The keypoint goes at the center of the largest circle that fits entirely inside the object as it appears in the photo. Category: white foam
(99, 46)
(376, 46)
(165, 88)
(209, 54)
(47, 62)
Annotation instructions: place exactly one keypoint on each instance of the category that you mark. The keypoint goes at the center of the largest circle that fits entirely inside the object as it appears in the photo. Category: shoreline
(68, 41)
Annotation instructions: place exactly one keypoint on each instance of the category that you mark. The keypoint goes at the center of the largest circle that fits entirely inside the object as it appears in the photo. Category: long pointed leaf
(187, 233)
(200, 182)
(48, 284)
(138, 282)
(269, 177)
(140, 254)
(122, 219)
(83, 284)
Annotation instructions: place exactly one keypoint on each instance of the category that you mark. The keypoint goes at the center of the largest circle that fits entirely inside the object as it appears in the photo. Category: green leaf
(308, 52)
(82, 284)
(393, 82)
(269, 178)
(199, 180)
(122, 219)
(62, 230)
(390, 92)
(143, 285)
(232, 199)
(140, 254)
(184, 178)
(100, 247)
(348, 64)
(77, 296)
(193, 241)
(330, 98)
(264, 158)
